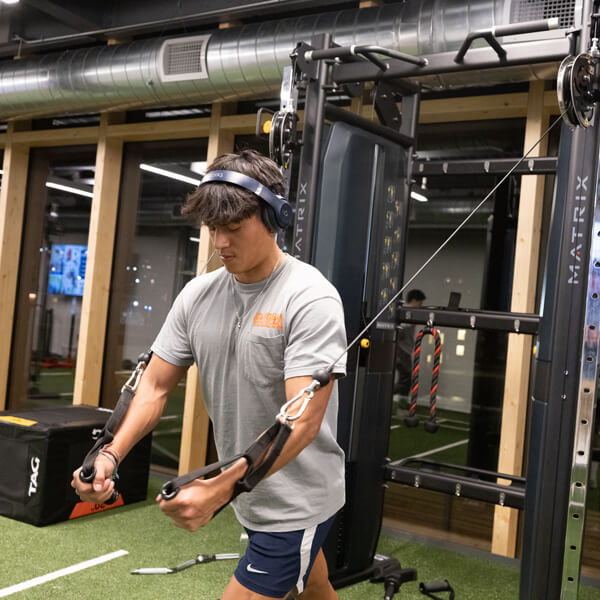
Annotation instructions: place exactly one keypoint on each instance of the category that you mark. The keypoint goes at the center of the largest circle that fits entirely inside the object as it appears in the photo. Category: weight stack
(40, 449)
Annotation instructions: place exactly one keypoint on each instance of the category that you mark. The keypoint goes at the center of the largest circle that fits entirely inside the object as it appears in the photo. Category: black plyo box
(40, 449)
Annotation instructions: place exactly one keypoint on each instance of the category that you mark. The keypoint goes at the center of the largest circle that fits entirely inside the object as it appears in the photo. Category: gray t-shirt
(291, 325)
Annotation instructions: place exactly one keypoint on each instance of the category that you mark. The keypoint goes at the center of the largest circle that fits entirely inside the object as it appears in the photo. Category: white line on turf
(19, 587)
(440, 449)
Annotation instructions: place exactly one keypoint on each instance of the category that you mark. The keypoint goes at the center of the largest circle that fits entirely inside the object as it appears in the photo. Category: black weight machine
(351, 213)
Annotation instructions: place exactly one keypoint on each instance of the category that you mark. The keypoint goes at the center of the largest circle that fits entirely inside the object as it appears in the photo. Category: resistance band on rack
(412, 420)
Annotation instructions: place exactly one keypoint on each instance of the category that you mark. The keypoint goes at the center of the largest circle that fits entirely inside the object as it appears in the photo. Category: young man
(257, 329)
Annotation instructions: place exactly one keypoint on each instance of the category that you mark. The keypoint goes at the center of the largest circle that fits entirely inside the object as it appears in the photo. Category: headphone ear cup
(268, 217)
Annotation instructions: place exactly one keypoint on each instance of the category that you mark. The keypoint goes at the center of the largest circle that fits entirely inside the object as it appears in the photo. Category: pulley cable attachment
(577, 89)
(434, 587)
(284, 122)
(412, 420)
(88, 470)
(578, 81)
(282, 137)
(263, 452)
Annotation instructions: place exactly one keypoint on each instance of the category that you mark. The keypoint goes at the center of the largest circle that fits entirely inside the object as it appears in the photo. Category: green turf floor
(151, 540)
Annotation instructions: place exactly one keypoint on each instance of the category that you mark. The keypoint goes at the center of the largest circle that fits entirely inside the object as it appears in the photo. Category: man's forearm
(147, 406)
(142, 417)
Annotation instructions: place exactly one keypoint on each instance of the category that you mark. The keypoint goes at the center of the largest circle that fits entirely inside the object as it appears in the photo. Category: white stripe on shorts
(305, 549)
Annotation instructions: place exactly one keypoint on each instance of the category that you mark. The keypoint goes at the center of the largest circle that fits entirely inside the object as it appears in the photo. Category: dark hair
(216, 204)
(415, 295)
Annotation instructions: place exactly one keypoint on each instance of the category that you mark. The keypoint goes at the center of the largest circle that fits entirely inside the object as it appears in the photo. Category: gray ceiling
(37, 26)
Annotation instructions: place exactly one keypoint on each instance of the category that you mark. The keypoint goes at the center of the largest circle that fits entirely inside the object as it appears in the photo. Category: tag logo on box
(33, 478)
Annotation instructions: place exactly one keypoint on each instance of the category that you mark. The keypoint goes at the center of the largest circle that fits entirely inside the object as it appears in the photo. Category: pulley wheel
(574, 90)
(563, 91)
(581, 89)
(282, 136)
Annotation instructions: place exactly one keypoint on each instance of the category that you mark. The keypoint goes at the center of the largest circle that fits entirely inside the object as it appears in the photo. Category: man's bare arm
(195, 504)
(145, 410)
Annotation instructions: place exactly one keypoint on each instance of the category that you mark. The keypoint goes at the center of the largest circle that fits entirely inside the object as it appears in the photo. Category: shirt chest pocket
(263, 359)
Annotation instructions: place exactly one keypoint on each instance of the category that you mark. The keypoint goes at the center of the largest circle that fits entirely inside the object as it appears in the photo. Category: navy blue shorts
(277, 562)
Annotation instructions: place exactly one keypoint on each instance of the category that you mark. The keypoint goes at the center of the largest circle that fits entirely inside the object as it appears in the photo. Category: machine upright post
(558, 369)
(310, 157)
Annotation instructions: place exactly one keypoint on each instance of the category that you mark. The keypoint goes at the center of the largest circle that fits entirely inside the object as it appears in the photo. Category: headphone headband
(281, 209)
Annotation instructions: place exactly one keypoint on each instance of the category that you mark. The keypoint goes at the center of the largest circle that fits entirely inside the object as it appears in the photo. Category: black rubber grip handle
(87, 476)
(169, 491)
(435, 586)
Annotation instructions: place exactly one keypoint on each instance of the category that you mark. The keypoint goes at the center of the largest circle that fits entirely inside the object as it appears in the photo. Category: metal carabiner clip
(284, 416)
(135, 377)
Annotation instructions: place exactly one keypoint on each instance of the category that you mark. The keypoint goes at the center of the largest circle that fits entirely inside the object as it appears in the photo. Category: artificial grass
(406, 441)
(152, 541)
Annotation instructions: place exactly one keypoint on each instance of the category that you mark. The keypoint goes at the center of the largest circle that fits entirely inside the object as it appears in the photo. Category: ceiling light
(180, 176)
(66, 185)
(9, 1)
(419, 197)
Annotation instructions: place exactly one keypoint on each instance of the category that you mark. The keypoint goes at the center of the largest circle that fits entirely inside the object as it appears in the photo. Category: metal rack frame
(564, 385)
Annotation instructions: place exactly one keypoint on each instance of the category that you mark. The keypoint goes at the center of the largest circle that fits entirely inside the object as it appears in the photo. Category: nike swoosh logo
(251, 569)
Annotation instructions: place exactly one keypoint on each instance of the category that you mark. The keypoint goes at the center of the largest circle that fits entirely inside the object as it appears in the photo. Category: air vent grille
(532, 10)
(184, 58)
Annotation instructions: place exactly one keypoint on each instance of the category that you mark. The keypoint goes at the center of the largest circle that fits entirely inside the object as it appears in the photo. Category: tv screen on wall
(67, 269)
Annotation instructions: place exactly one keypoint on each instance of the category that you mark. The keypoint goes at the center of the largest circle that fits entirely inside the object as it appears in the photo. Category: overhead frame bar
(544, 165)
(471, 483)
(522, 53)
(472, 319)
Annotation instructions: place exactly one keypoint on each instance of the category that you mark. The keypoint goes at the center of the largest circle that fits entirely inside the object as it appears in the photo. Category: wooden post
(194, 433)
(103, 223)
(518, 363)
(12, 207)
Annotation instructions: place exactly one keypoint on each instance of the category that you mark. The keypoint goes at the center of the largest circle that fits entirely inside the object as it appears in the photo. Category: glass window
(477, 264)
(51, 276)
(155, 256)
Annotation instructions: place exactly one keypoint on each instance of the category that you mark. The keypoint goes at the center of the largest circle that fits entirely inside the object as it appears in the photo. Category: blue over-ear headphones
(278, 209)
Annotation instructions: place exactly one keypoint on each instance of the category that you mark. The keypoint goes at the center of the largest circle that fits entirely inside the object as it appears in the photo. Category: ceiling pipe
(229, 64)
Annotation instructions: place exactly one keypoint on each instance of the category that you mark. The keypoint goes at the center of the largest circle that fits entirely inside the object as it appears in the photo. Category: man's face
(415, 303)
(245, 248)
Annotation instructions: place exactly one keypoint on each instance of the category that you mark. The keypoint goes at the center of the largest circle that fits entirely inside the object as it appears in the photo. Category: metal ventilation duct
(247, 62)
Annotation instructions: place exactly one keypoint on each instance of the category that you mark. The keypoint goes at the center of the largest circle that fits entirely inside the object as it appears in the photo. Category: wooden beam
(474, 108)
(518, 362)
(220, 139)
(194, 434)
(12, 208)
(496, 106)
(94, 309)
(241, 124)
(58, 137)
(177, 129)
